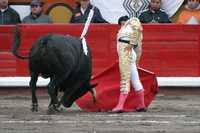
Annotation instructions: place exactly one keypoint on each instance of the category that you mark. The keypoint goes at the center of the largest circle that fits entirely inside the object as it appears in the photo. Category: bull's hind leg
(32, 84)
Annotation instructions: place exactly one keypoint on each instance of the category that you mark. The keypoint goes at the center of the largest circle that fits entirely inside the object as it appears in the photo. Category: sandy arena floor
(173, 111)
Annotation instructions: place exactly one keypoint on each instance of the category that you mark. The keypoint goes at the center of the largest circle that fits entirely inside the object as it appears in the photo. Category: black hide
(62, 59)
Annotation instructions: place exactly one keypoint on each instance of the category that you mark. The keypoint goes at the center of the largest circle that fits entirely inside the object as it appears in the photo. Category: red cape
(108, 90)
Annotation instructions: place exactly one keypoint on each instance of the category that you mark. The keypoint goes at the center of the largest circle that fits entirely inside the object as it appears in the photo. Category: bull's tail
(16, 44)
(17, 41)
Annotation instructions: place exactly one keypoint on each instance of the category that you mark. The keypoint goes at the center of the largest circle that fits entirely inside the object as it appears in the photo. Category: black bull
(63, 59)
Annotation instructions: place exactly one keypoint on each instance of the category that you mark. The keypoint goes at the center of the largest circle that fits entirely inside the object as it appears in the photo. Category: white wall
(23, 10)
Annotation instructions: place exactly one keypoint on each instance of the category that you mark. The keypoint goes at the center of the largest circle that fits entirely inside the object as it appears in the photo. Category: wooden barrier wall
(7, 60)
(168, 49)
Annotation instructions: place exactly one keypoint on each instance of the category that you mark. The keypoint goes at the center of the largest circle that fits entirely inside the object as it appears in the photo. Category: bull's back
(82, 68)
(82, 63)
(60, 49)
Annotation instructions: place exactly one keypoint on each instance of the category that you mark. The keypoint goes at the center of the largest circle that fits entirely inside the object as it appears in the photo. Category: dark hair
(122, 18)
(36, 2)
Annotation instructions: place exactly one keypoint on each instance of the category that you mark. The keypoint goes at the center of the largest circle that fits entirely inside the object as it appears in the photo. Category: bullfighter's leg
(125, 75)
(32, 84)
(137, 85)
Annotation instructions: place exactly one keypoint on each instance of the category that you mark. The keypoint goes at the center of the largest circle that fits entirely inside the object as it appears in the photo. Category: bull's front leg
(60, 75)
(32, 84)
(53, 92)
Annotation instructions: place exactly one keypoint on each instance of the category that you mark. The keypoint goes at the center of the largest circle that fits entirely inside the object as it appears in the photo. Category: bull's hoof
(54, 109)
(34, 108)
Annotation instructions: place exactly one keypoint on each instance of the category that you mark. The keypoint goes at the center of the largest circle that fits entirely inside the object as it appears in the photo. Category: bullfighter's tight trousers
(125, 58)
(135, 80)
(128, 69)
